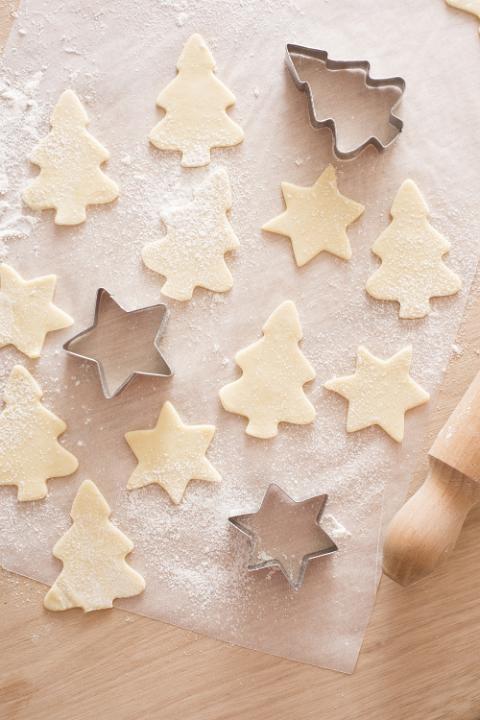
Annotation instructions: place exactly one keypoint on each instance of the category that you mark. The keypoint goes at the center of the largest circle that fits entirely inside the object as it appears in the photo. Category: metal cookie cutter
(122, 343)
(319, 122)
(285, 534)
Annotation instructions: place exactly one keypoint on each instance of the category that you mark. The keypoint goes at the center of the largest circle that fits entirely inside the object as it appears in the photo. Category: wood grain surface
(420, 659)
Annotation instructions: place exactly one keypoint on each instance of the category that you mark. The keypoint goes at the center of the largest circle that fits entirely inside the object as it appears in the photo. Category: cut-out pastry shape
(316, 218)
(171, 454)
(93, 552)
(27, 312)
(195, 104)
(30, 453)
(411, 250)
(69, 159)
(199, 234)
(470, 6)
(380, 392)
(270, 390)
(285, 534)
(122, 343)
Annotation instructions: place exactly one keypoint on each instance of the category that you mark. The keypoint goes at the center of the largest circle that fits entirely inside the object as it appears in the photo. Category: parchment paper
(117, 56)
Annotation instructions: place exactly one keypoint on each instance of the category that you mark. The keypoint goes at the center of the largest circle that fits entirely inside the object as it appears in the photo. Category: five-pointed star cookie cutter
(316, 121)
(163, 370)
(325, 545)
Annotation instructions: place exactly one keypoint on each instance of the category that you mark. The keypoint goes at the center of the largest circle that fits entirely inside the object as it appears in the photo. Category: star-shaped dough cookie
(316, 218)
(27, 312)
(171, 454)
(380, 392)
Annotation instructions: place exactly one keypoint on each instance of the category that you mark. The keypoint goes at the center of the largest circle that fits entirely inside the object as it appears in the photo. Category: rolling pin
(426, 528)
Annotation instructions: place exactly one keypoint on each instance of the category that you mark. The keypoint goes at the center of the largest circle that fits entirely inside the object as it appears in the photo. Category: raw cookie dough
(93, 552)
(191, 254)
(411, 250)
(471, 6)
(171, 454)
(29, 450)
(316, 218)
(380, 392)
(69, 157)
(27, 312)
(195, 102)
(270, 390)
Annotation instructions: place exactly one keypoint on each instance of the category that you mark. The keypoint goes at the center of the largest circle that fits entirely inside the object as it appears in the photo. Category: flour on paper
(411, 251)
(93, 552)
(380, 392)
(27, 312)
(69, 159)
(195, 102)
(316, 218)
(29, 451)
(198, 235)
(171, 454)
(274, 369)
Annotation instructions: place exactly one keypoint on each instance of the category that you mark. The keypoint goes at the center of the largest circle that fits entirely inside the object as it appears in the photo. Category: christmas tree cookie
(411, 250)
(195, 102)
(69, 159)
(93, 553)
(27, 312)
(171, 454)
(191, 254)
(270, 390)
(29, 451)
(316, 218)
(380, 392)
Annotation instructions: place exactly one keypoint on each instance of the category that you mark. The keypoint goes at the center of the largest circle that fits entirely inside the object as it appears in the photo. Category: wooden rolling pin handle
(425, 530)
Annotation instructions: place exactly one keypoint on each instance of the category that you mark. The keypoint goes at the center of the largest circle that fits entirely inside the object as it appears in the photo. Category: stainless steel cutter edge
(364, 65)
(101, 374)
(275, 562)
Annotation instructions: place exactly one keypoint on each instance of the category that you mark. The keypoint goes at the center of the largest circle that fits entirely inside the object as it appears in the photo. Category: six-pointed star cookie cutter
(318, 122)
(164, 370)
(326, 546)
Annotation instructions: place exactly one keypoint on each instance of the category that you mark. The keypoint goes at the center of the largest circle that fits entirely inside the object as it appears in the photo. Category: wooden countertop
(420, 659)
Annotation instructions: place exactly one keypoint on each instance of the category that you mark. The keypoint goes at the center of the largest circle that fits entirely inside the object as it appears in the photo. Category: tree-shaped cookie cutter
(317, 122)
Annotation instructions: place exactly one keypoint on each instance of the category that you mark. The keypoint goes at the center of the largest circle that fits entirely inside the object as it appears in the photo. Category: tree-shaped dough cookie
(93, 552)
(316, 218)
(191, 254)
(270, 390)
(195, 102)
(411, 250)
(29, 450)
(171, 454)
(69, 157)
(27, 312)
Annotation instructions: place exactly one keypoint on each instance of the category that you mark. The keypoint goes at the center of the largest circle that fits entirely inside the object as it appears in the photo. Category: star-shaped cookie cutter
(298, 514)
(364, 65)
(154, 315)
